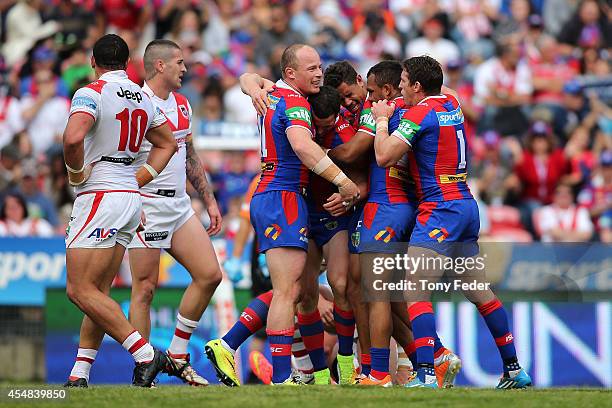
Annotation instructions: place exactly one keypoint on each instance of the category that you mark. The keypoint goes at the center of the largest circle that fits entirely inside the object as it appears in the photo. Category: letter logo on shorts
(440, 234)
(385, 235)
(100, 234)
(273, 231)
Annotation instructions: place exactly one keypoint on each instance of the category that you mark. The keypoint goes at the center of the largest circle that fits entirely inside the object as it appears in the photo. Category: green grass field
(319, 396)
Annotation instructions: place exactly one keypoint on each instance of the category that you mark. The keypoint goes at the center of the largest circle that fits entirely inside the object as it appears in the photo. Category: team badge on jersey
(184, 111)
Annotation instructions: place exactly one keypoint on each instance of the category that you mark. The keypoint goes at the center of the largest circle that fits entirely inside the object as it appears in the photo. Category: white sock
(82, 365)
(301, 358)
(140, 349)
(182, 334)
(227, 346)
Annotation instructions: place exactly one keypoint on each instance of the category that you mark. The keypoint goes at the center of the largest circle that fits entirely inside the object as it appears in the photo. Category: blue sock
(311, 328)
(380, 362)
(345, 329)
(280, 346)
(496, 318)
(252, 319)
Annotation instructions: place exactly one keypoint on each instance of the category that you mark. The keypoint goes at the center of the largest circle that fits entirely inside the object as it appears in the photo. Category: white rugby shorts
(101, 219)
(164, 216)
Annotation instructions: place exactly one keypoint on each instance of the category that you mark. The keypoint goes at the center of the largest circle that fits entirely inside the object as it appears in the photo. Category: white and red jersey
(179, 114)
(122, 114)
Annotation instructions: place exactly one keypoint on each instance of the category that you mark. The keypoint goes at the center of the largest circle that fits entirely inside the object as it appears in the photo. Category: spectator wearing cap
(39, 205)
(503, 87)
(271, 43)
(575, 107)
(24, 27)
(16, 222)
(373, 42)
(44, 60)
(589, 27)
(433, 44)
(562, 220)
(597, 195)
(538, 170)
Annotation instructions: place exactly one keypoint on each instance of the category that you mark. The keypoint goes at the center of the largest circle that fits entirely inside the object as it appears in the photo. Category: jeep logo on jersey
(184, 111)
(299, 113)
(100, 234)
(156, 236)
(127, 94)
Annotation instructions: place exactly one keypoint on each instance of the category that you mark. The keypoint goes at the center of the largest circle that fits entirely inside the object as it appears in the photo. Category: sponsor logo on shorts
(273, 231)
(304, 234)
(356, 238)
(453, 178)
(331, 225)
(398, 173)
(385, 235)
(100, 234)
(156, 236)
(440, 234)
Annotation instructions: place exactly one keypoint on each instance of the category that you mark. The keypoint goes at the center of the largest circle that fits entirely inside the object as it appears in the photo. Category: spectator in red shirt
(538, 170)
(114, 15)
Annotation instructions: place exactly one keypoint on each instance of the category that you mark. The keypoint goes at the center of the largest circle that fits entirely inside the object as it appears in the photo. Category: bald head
(291, 56)
(158, 50)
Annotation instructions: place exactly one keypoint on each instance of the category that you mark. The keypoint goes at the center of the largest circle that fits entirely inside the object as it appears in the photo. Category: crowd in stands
(534, 79)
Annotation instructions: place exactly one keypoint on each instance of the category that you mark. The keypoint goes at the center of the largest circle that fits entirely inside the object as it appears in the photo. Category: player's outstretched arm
(164, 147)
(197, 177)
(77, 128)
(355, 151)
(388, 150)
(257, 88)
(313, 157)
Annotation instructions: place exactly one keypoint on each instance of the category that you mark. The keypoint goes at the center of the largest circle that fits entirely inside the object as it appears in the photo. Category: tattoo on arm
(196, 174)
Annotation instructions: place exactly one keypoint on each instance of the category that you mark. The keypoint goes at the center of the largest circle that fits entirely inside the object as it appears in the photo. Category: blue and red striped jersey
(434, 129)
(392, 184)
(320, 189)
(281, 169)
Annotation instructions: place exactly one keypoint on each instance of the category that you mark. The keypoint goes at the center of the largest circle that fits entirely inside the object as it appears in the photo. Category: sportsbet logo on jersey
(299, 113)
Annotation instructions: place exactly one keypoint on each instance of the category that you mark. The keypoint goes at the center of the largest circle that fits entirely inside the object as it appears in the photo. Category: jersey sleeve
(297, 112)
(344, 130)
(367, 124)
(86, 100)
(158, 117)
(190, 115)
(411, 124)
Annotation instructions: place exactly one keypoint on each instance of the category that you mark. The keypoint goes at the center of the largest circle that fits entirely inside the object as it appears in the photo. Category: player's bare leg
(286, 266)
(144, 265)
(360, 312)
(337, 255)
(91, 335)
(87, 271)
(309, 318)
(192, 248)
